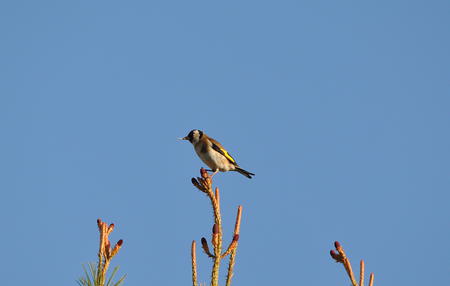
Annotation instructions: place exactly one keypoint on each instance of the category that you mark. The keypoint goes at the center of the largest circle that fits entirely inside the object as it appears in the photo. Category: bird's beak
(184, 138)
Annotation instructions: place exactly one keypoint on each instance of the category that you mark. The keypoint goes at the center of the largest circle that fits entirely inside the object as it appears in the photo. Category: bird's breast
(213, 159)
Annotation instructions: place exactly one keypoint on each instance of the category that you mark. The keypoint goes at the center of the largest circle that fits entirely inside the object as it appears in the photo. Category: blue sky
(341, 108)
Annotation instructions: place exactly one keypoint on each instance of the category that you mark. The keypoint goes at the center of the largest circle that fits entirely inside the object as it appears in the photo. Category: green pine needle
(91, 278)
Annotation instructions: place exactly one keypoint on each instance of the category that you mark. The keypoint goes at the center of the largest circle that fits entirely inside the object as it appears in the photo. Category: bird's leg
(215, 172)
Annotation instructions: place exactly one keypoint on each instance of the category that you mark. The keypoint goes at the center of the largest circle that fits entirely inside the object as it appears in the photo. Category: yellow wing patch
(228, 156)
(225, 153)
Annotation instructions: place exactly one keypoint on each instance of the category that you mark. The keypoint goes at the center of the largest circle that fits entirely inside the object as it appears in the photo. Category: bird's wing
(219, 148)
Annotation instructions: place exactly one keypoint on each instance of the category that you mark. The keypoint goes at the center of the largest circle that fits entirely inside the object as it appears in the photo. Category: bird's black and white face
(194, 136)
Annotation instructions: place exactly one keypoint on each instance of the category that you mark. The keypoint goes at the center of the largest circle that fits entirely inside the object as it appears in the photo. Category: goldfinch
(213, 154)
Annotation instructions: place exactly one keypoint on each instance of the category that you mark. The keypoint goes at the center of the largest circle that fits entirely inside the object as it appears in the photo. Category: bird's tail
(245, 173)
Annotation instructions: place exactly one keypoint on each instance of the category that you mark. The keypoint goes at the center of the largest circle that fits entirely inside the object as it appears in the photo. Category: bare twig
(232, 246)
(361, 273)
(237, 227)
(194, 264)
(371, 279)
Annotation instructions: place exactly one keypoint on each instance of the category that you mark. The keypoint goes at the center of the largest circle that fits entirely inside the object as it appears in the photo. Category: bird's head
(194, 136)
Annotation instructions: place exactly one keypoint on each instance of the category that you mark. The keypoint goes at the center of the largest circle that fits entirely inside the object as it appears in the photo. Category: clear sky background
(341, 108)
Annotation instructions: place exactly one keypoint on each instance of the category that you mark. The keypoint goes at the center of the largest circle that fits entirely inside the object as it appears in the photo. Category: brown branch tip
(341, 257)
(204, 182)
(105, 249)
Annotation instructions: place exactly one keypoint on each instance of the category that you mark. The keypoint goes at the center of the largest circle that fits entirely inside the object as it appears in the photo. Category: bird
(212, 153)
